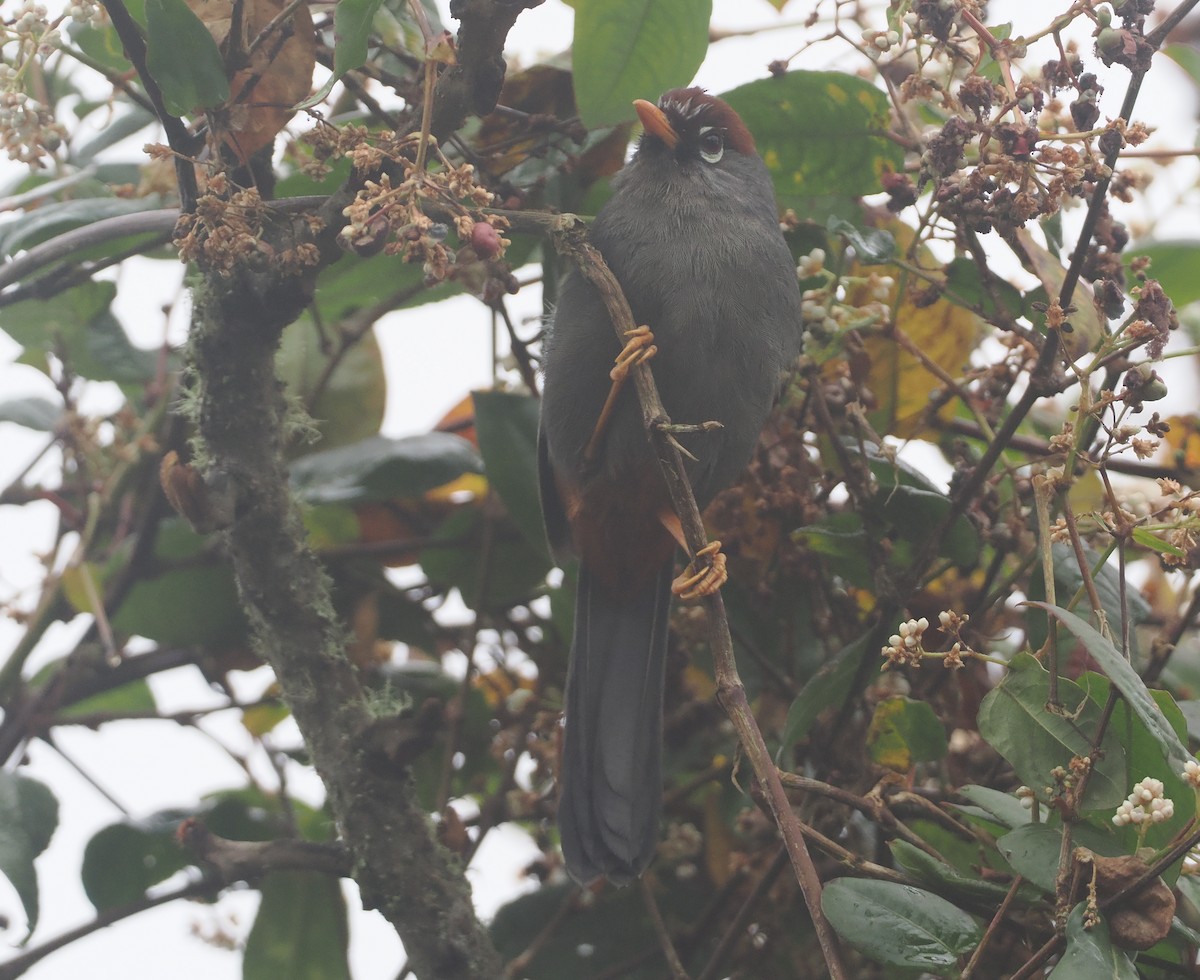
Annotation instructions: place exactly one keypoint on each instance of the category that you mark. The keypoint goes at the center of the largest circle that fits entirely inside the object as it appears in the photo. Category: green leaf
(349, 403)
(820, 133)
(828, 688)
(1004, 807)
(132, 121)
(1015, 721)
(330, 525)
(1068, 581)
(904, 732)
(300, 931)
(192, 599)
(506, 426)
(1186, 57)
(597, 938)
(351, 29)
(352, 21)
(132, 698)
(842, 542)
(380, 468)
(1174, 265)
(912, 504)
(1090, 954)
(491, 576)
(1131, 686)
(28, 818)
(101, 44)
(1033, 851)
(872, 246)
(32, 412)
(1145, 757)
(634, 49)
(354, 283)
(937, 874)
(78, 326)
(56, 217)
(196, 81)
(898, 925)
(913, 511)
(124, 859)
(1148, 539)
(1087, 326)
(965, 286)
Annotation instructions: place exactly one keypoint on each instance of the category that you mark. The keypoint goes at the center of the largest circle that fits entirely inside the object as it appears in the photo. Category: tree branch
(242, 417)
(472, 85)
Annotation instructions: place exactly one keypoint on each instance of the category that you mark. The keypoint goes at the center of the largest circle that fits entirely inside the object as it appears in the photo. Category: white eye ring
(714, 156)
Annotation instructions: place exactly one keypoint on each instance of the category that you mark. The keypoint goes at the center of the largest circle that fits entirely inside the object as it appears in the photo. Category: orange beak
(655, 122)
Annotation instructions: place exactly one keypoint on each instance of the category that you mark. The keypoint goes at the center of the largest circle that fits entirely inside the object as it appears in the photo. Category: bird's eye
(712, 144)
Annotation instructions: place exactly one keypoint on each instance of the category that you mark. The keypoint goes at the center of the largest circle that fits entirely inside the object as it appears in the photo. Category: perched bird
(692, 234)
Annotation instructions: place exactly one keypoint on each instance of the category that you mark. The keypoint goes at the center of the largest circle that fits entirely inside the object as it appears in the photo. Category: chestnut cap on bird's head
(690, 122)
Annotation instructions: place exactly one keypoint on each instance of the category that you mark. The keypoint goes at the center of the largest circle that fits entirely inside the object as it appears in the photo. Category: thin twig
(178, 137)
(201, 888)
(674, 964)
(738, 924)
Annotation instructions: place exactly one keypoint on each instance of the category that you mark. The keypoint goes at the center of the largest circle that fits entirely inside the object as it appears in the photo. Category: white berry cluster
(1145, 805)
(876, 43)
(1191, 773)
(27, 129)
(840, 305)
(905, 646)
(87, 12)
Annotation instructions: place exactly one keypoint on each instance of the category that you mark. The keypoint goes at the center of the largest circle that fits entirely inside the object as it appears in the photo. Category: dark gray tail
(612, 757)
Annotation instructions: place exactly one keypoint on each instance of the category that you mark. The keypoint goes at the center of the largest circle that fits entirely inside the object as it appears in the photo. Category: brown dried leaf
(279, 75)
(1142, 919)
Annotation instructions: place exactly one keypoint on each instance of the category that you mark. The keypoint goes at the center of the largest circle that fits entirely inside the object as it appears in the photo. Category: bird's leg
(638, 348)
(707, 580)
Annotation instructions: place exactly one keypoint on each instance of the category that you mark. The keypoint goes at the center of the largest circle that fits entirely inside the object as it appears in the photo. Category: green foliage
(840, 121)
(195, 82)
(1091, 953)
(28, 819)
(507, 426)
(1015, 721)
(634, 49)
(300, 929)
(379, 468)
(899, 925)
(964, 350)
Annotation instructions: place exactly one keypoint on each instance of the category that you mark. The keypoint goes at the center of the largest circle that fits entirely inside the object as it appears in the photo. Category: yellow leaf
(944, 333)
(1184, 442)
(262, 718)
(886, 745)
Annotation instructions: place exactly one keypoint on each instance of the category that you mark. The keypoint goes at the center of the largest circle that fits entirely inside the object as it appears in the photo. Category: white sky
(434, 359)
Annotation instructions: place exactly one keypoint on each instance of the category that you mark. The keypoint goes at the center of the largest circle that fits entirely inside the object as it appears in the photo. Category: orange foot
(696, 585)
(639, 347)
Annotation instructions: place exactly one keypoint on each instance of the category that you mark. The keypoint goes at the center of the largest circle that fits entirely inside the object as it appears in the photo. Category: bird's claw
(638, 348)
(697, 585)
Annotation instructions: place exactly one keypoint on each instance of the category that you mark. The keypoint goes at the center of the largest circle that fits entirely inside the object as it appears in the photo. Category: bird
(692, 235)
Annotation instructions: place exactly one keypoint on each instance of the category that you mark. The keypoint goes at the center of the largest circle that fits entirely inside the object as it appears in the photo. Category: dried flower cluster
(227, 231)
(391, 212)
